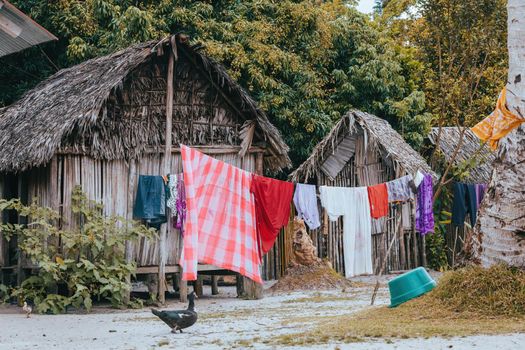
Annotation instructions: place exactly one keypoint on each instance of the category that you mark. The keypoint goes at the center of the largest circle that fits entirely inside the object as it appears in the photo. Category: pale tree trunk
(500, 230)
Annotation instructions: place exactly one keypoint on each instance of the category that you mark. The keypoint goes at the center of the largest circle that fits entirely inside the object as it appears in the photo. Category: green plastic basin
(410, 285)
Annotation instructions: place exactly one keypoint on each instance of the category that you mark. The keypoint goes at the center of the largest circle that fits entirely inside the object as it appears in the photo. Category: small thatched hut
(464, 149)
(103, 122)
(363, 150)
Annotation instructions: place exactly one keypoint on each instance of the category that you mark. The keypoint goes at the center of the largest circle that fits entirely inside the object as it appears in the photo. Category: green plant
(4, 293)
(89, 261)
(436, 249)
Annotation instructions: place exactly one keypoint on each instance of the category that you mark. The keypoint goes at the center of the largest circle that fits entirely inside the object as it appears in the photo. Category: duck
(177, 320)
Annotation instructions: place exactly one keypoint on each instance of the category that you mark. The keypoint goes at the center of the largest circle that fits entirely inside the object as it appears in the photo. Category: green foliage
(90, 261)
(305, 62)
(436, 249)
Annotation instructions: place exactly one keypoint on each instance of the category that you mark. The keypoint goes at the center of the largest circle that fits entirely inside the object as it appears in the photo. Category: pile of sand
(319, 276)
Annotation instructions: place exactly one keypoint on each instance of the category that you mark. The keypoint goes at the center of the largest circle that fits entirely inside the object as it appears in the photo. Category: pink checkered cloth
(220, 217)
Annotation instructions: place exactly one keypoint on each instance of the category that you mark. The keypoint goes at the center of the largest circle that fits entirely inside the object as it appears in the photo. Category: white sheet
(352, 203)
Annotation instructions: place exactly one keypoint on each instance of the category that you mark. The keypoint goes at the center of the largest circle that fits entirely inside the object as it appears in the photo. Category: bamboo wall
(109, 183)
(367, 167)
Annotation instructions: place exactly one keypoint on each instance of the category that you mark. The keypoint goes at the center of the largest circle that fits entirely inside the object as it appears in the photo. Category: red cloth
(272, 208)
(378, 198)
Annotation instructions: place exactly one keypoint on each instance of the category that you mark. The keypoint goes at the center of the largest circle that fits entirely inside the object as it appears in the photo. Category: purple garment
(424, 210)
(180, 204)
(305, 201)
(480, 192)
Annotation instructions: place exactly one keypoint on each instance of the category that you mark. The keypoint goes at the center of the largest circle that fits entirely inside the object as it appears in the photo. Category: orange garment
(498, 124)
(378, 198)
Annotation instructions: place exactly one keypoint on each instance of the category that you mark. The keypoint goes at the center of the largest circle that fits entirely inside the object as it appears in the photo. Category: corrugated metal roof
(18, 31)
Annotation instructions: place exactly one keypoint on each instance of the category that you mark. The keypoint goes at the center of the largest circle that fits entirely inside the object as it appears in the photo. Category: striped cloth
(220, 217)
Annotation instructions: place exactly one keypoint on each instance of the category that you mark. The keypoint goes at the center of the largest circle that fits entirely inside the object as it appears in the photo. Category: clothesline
(230, 217)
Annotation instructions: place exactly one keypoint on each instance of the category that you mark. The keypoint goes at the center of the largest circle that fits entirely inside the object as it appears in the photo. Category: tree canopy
(305, 62)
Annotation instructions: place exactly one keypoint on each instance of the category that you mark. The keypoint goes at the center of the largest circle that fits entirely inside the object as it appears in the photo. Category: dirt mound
(319, 276)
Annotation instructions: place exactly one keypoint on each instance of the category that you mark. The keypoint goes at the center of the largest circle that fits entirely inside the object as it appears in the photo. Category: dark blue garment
(150, 201)
(464, 203)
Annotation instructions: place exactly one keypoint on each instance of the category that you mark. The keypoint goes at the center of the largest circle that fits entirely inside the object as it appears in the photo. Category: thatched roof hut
(104, 122)
(88, 109)
(334, 151)
(363, 150)
(471, 149)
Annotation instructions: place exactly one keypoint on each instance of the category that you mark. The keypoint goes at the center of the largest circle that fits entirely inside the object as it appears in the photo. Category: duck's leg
(174, 329)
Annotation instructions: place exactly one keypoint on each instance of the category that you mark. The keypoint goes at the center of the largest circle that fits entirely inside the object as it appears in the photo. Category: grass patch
(466, 302)
(320, 298)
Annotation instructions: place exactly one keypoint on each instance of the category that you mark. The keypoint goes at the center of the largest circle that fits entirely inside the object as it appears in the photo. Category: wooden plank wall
(107, 182)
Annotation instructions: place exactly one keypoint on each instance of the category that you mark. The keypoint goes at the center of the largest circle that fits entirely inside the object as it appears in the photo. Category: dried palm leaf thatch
(377, 135)
(87, 109)
(471, 149)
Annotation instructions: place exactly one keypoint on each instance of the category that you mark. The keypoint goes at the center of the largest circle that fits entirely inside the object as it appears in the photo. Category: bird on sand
(27, 309)
(177, 320)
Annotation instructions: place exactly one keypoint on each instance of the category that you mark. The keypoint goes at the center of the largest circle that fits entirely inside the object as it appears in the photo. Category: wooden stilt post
(172, 57)
(199, 286)
(129, 216)
(183, 289)
(214, 285)
(402, 248)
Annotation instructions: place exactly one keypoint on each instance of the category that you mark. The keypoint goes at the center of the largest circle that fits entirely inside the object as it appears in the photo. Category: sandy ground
(225, 322)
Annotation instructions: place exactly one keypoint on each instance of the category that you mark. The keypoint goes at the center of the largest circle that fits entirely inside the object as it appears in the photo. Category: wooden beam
(226, 149)
(129, 216)
(167, 163)
(218, 149)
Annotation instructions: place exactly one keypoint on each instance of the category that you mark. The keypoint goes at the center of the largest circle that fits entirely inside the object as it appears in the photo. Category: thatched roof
(471, 149)
(71, 105)
(378, 133)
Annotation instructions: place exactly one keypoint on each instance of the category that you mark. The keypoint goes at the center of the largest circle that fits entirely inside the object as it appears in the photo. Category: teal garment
(150, 201)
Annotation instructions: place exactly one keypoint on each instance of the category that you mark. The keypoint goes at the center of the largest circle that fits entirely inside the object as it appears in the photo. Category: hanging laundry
(220, 222)
(352, 203)
(177, 201)
(401, 189)
(480, 193)
(150, 201)
(378, 198)
(418, 178)
(406, 215)
(424, 208)
(272, 208)
(180, 204)
(173, 194)
(498, 124)
(305, 201)
(463, 203)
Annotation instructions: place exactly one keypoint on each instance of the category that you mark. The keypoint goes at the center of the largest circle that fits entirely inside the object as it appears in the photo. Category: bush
(87, 259)
(436, 249)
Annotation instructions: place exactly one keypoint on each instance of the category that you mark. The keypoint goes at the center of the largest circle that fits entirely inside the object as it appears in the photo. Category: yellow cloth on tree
(498, 124)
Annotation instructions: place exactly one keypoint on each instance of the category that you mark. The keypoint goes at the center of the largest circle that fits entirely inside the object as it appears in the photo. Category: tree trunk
(500, 229)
